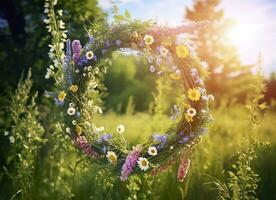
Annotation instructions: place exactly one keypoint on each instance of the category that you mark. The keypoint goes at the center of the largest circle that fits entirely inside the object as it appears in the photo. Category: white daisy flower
(120, 129)
(112, 157)
(12, 140)
(191, 112)
(89, 55)
(152, 151)
(71, 105)
(68, 130)
(164, 51)
(148, 39)
(143, 163)
(71, 111)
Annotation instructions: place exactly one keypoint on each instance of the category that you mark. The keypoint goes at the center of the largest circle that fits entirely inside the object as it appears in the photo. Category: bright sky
(255, 32)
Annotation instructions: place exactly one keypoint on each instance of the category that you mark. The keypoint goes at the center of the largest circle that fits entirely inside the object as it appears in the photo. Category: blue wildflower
(162, 139)
(105, 137)
(107, 44)
(184, 140)
(118, 42)
(78, 114)
(91, 39)
(58, 103)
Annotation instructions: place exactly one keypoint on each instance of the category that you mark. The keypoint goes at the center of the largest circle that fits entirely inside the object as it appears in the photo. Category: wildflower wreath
(81, 88)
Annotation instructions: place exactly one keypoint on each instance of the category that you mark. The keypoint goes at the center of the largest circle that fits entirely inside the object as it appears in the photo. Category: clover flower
(76, 47)
(130, 163)
(143, 163)
(183, 169)
(112, 157)
(81, 141)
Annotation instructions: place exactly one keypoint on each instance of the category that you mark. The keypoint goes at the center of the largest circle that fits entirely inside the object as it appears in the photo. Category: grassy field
(212, 158)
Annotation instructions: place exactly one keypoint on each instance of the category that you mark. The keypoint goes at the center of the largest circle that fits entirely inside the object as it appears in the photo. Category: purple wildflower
(107, 44)
(83, 144)
(82, 60)
(76, 47)
(91, 39)
(162, 139)
(105, 137)
(130, 163)
(58, 102)
(184, 140)
(159, 60)
(152, 69)
(118, 43)
(78, 114)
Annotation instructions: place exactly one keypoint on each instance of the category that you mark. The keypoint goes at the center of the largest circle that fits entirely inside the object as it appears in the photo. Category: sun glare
(241, 34)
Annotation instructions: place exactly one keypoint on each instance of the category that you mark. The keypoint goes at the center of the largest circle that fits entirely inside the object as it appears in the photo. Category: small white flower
(89, 55)
(6, 133)
(71, 105)
(152, 151)
(46, 21)
(143, 163)
(60, 12)
(12, 140)
(112, 157)
(84, 74)
(164, 51)
(99, 129)
(77, 71)
(191, 112)
(89, 68)
(120, 129)
(211, 97)
(68, 130)
(171, 147)
(178, 72)
(74, 122)
(152, 69)
(71, 111)
(148, 39)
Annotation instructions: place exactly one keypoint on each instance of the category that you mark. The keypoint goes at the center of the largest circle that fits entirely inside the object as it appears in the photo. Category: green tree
(228, 76)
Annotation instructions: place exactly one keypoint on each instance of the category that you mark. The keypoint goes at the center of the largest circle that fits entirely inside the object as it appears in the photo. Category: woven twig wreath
(167, 55)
